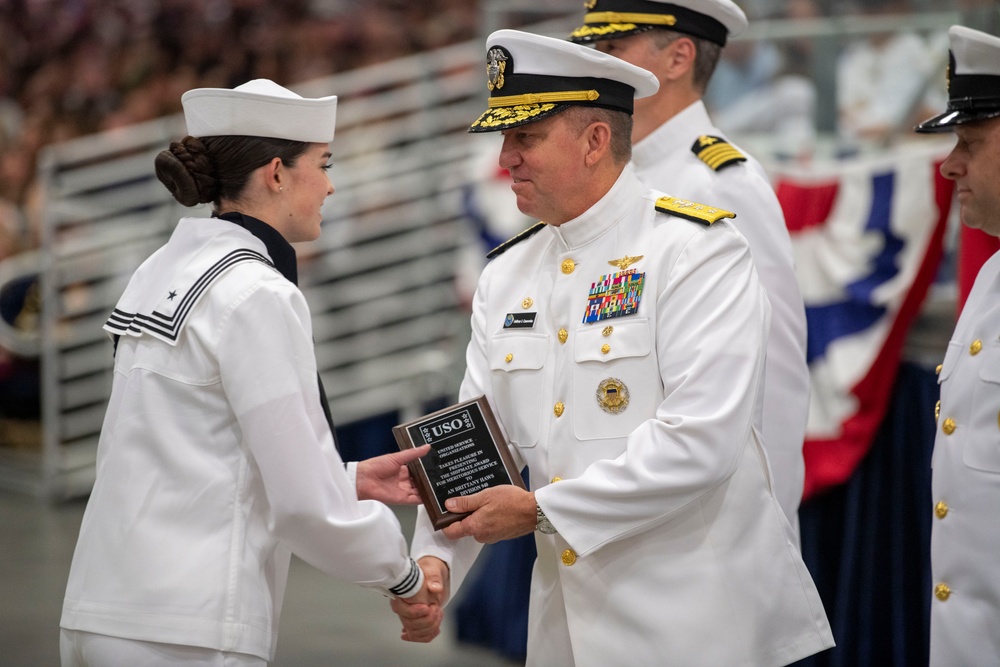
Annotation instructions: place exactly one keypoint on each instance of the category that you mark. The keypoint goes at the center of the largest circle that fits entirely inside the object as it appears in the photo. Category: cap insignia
(496, 65)
(690, 210)
(625, 261)
(716, 152)
(589, 4)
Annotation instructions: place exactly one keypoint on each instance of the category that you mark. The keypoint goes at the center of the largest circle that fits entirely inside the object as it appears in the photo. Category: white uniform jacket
(965, 535)
(671, 548)
(665, 161)
(215, 460)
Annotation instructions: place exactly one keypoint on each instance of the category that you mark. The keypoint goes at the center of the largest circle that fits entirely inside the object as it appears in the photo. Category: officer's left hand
(498, 513)
(386, 478)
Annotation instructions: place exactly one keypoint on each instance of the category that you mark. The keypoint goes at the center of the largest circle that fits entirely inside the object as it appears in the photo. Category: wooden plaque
(468, 454)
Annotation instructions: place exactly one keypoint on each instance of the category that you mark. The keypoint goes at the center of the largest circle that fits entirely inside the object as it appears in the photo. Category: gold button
(556, 479)
(941, 509)
(563, 335)
(509, 358)
(558, 409)
(527, 302)
(568, 266)
(606, 331)
(605, 348)
(949, 426)
(568, 557)
(976, 346)
(937, 371)
(937, 410)
(998, 418)
(941, 591)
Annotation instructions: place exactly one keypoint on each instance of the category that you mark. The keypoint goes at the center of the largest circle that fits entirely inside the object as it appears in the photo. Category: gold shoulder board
(692, 210)
(511, 242)
(716, 152)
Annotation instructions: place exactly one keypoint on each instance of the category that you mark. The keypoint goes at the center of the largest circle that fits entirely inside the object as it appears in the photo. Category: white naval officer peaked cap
(259, 108)
(531, 77)
(973, 80)
(714, 20)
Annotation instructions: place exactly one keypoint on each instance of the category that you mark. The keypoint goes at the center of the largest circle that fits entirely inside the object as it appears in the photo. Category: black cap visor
(946, 121)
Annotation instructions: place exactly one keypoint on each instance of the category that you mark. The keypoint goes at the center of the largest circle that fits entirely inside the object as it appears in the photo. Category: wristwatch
(543, 525)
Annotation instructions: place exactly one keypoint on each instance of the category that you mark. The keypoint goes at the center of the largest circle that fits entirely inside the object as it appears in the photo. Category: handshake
(422, 614)
(498, 513)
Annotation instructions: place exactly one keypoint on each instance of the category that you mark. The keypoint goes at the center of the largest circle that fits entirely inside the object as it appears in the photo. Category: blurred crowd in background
(70, 68)
(75, 67)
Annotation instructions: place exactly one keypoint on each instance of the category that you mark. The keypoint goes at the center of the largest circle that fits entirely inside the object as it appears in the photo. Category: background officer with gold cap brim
(621, 345)
(677, 148)
(965, 483)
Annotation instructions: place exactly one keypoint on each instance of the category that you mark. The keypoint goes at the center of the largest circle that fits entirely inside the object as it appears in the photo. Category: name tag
(519, 321)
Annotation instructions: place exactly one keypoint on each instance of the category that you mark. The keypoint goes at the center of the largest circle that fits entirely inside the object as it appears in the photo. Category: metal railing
(380, 280)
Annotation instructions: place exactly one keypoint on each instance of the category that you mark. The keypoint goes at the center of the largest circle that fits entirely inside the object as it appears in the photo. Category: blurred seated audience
(765, 87)
(69, 68)
(888, 81)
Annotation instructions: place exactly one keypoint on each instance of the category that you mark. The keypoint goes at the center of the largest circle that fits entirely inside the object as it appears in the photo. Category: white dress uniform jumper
(216, 461)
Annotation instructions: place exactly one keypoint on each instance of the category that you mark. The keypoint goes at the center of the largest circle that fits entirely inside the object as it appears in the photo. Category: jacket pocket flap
(512, 353)
(612, 341)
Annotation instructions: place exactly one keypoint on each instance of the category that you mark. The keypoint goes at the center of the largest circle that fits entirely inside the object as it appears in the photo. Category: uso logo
(447, 426)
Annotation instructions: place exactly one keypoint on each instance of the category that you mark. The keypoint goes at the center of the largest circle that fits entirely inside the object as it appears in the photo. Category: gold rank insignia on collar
(511, 242)
(716, 152)
(691, 210)
(625, 261)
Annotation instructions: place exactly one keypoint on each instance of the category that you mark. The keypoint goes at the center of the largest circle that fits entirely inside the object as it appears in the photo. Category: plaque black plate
(468, 454)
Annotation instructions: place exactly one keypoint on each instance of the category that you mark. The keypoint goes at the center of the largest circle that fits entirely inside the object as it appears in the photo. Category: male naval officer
(677, 148)
(965, 484)
(631, 388)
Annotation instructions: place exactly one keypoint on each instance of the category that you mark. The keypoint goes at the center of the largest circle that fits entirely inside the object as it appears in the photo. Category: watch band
(543, 525)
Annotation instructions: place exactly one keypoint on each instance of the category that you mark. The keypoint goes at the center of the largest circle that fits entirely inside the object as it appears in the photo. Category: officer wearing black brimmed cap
(965, 484)
(531, 77)
(621, 345)
(713, 20)
(677, 148)
(973, 80)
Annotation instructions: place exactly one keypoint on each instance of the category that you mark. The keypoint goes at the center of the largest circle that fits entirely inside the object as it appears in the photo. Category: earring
(280, 188)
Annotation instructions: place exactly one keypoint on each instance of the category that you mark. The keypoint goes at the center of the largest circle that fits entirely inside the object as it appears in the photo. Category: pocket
(517, 369)
(981, 443)
(616, 383)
